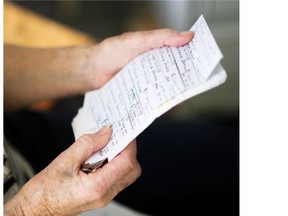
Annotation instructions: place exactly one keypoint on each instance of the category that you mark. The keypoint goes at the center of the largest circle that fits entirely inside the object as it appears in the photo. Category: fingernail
(185, 33)
(104, 130)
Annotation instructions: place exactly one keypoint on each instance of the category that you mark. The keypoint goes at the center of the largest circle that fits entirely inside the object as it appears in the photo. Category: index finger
(118, 167)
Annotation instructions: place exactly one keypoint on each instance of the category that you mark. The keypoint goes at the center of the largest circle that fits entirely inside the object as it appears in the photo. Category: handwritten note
(147, 87)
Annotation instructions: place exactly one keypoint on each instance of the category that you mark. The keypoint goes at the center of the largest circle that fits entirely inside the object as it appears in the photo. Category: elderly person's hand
(114, 53)
(42, 73)
(63, 189)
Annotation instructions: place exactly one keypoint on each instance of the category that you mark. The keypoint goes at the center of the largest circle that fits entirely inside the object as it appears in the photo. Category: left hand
(112, 54)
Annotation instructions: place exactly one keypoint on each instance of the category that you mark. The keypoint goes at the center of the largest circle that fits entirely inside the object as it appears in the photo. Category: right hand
(63, 189)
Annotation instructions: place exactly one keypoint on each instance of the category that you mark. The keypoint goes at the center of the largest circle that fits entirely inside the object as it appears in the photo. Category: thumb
(87, 144)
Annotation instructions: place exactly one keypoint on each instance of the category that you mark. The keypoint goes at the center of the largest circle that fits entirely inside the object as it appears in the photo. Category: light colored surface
(24, 27)
(113, 209)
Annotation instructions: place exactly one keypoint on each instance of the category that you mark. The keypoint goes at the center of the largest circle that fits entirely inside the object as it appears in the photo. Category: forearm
(42, 195)
(21, 205)
(13, 208)
(33, 74)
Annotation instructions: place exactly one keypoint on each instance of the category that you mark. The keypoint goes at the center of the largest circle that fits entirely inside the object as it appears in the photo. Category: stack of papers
(146, 88)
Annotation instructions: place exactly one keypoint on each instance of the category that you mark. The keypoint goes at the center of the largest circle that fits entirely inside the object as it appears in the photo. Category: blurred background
(83, 22)
(65, 23)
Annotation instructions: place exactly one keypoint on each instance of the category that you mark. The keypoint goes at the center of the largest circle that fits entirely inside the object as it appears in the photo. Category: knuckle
(126, 35)
(139, 170)
(134, 167)
(85, 138)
